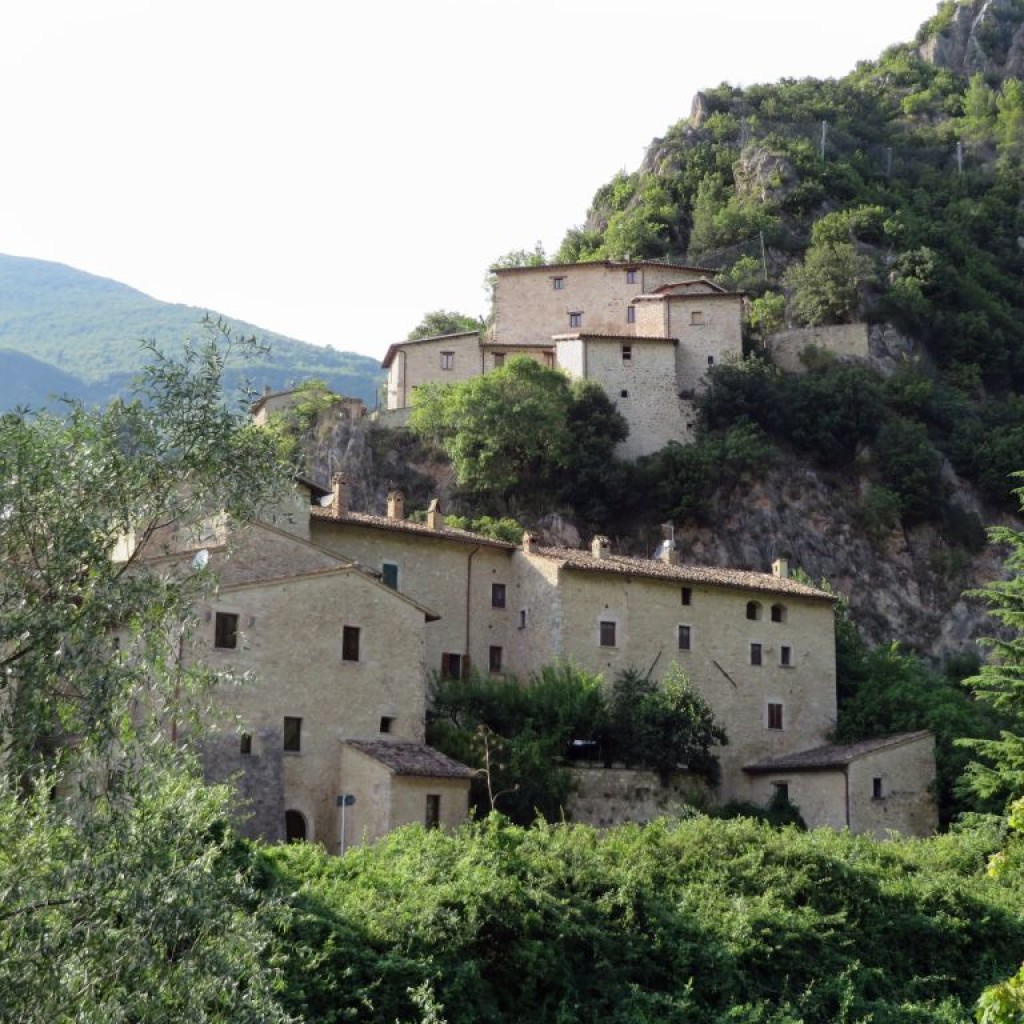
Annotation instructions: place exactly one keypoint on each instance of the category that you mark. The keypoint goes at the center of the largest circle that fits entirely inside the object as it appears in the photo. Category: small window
(711, 360)
(497, 595)
(245, 743)
(451, 666)
(778, 613)
(389, 575)
(781, 791)
(684, 638)
(549, 360)
(607, 633)
(686, 595)
(294, 827)
(631, 314)
(774, 716)
(755, 654)
(753, 611)
(386, 722)
(575, 319)
(292, 734)
(558, 283)
(623, 393)
(630, 277)
(499, 360)
(627, 353)
(494, 659)
(350, 643)
(447, 360)
(786, 656)
(432, 816)
(225, 631)
(877, 790)
(697, 318)
(522, 618)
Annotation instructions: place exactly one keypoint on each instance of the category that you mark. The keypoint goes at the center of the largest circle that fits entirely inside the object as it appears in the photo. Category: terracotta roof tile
(610, 264)
(412, 759)
(623, 565)
(584, 335)
(406, 526)
(831, 755)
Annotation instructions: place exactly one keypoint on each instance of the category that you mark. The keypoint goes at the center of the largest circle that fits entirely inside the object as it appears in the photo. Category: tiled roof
(831, 755)
(610, 264)
(406, 526)
(710, 287)
(571, 558)
(412, 759)
(584, 335)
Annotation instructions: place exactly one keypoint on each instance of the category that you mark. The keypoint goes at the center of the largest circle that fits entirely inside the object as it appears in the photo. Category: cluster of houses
(342, 616)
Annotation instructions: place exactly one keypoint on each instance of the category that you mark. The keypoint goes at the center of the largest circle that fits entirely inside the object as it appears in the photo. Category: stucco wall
(647, 614)
(528, 307)
(907, 803)
(420, 362)
(291, 642)
(842, 340)
(820, 796)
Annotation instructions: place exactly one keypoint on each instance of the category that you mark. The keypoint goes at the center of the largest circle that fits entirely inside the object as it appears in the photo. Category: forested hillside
(65, 332)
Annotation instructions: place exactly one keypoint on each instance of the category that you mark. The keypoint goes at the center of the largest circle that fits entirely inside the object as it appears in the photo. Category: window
(292, 734)
(499, 360)
(225, 631)
(623, 393)
(711, 360)
(494, 659)
(350, 643)
(575, 319)
(697, 318)
(774, 715)
(549, 360)
(877, 791)
(245, 743)
(558, 283)
(497, 595)
(447, 360)
(607, 632)
(684, 638)
(781, 791)
(389, 575)
(631, 314)
(778, 613)
(294, 826)
(630, 277)
(522, 618)
(686, 595)
(451, 666)
(627, 353)
(786, 656)
(386, 721)
(432, 816)
(755, 654)
(753, 611)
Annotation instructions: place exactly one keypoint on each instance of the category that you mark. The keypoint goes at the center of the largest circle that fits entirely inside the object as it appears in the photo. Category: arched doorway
(294, 827)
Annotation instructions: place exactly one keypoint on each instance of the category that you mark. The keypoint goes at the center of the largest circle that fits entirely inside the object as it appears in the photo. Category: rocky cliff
(984, 36)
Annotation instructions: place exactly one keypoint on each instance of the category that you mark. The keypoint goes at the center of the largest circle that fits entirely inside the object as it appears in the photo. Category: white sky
(333, 169)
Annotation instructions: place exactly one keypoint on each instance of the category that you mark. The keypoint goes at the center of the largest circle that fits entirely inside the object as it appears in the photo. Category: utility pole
(824, 137)
(764, 260)
(959, 156)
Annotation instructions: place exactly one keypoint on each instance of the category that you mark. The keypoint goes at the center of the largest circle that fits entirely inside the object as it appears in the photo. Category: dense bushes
(702, 921)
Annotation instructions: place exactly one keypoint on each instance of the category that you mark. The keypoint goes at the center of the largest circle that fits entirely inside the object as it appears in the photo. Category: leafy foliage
(443, 321)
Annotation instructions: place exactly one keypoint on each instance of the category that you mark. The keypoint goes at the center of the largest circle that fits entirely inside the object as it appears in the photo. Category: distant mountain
(66, 332)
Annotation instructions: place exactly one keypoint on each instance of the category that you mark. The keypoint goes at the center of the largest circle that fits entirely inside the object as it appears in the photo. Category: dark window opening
(350, 643)
(245, 743)
(292, 734)
(753, 610)
(686, 595)
(451, 666)
(755, 654)
(294, 826)
(607, 634)
(781, 791)
(684, 638)
(627, 353)
(386, 721)
(785, 656)
(389, 575)
(497, 595)
(225, 631)
(432, 816)
(778, 613)
(623, 394)
(575, 319)
(877, 792)
(494, 659)
(774, 716)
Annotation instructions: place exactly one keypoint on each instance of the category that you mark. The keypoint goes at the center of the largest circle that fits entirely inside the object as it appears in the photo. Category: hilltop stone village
(342, 616)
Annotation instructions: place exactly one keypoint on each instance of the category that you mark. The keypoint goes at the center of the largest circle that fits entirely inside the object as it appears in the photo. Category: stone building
(645, 330)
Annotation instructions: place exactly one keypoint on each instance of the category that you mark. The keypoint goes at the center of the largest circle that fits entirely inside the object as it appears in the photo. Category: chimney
(780, 568)
(396, 505)
(435, 521)
(340, 486)
(667, 548)
(528, 540)
(600, 547)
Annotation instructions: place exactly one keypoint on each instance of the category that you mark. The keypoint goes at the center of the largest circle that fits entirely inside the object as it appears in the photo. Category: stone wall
(444, 360)
(605, 797)
(903, 801)
(845, 341)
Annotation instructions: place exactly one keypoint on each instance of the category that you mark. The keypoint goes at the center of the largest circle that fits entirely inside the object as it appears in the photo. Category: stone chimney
(780, 568)
(600, 547)
(340, 486)
(396, 505)
(528, 540)
(667, 549)
(435, 521)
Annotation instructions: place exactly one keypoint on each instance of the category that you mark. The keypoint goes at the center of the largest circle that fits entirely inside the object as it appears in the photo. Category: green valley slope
(66, 332)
